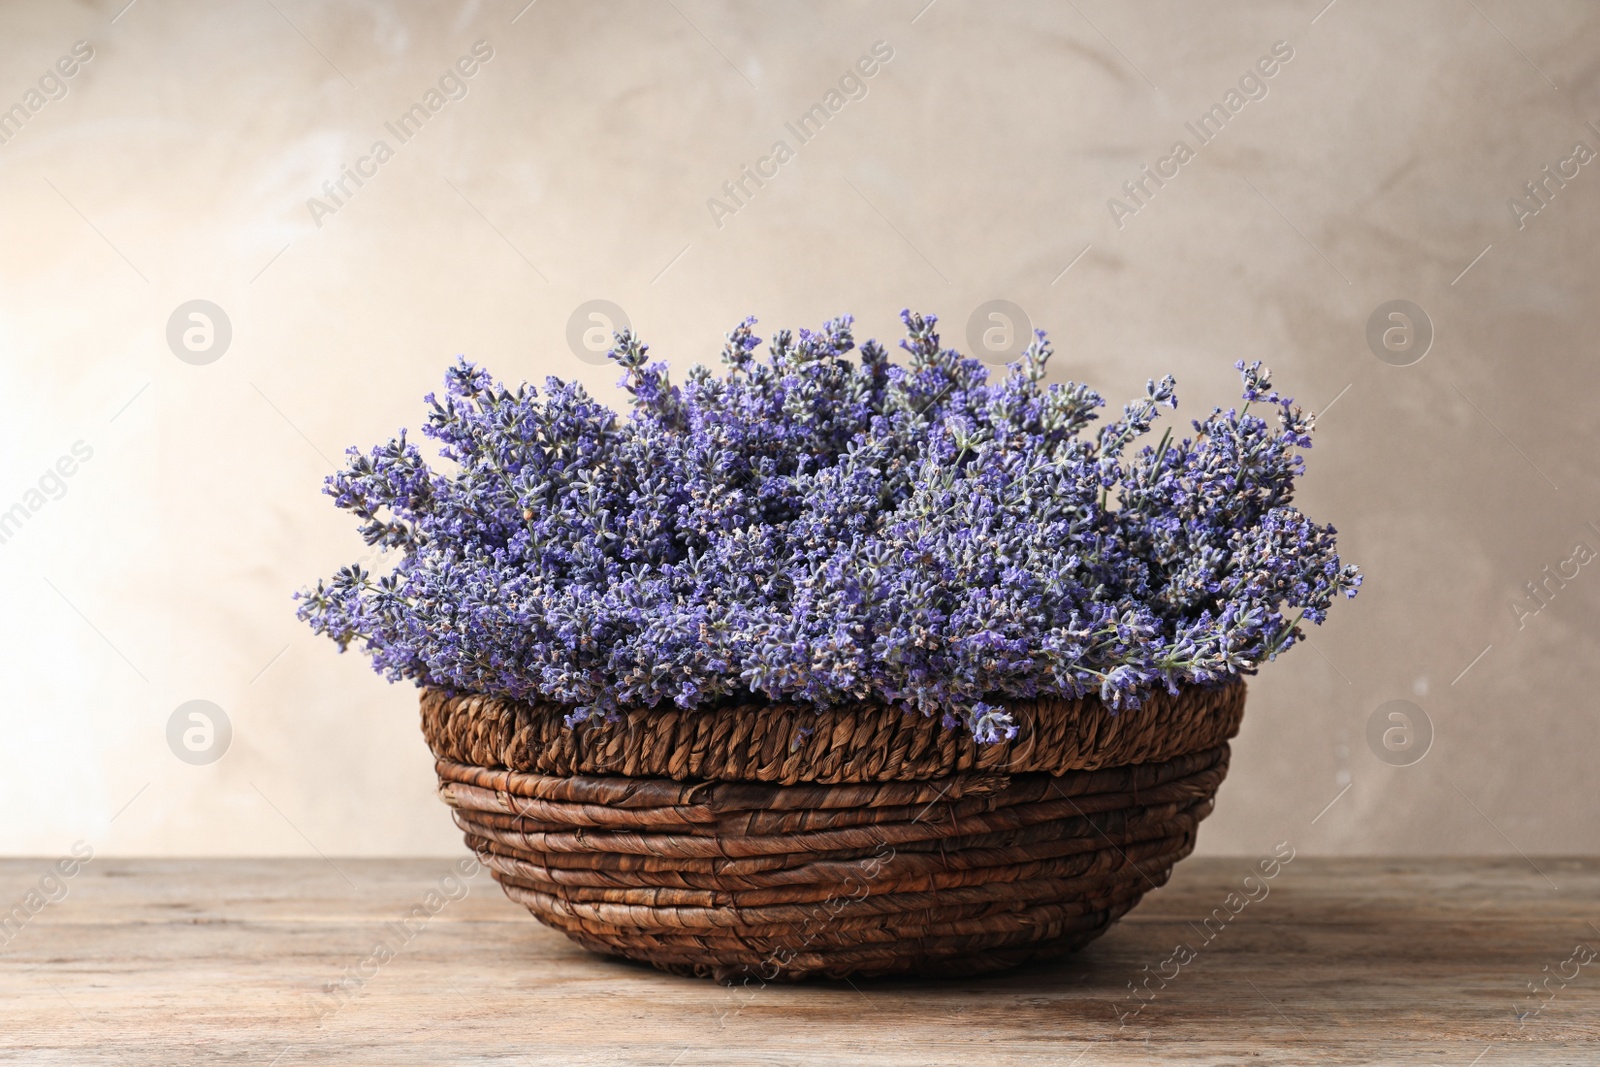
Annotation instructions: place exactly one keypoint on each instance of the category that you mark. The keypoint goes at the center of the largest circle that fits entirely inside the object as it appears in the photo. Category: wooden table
(1345, 961)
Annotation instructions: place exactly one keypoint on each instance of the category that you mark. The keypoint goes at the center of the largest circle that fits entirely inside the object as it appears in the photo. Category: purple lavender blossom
(820, 528)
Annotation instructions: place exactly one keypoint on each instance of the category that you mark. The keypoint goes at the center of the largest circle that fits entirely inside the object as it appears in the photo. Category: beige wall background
(977, 166)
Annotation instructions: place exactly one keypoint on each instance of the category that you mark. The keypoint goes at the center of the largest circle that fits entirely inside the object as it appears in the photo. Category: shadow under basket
(779, 842)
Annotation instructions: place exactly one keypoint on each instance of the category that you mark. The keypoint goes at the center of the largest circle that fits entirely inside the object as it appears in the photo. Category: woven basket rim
(788, 743)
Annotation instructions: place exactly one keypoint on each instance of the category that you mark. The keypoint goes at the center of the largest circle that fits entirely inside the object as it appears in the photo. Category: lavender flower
(822, 527)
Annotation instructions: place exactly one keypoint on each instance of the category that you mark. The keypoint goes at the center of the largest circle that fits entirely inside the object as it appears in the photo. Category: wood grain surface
(1341, 962)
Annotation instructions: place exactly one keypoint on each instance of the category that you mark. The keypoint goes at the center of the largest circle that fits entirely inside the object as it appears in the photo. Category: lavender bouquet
(821, 527)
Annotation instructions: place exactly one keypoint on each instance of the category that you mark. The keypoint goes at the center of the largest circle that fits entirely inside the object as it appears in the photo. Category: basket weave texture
(774, 842)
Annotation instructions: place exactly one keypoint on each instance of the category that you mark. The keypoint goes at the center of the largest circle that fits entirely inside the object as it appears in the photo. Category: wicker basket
(776, 842)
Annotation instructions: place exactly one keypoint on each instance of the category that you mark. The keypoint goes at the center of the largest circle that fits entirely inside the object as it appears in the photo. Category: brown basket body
(775, 842)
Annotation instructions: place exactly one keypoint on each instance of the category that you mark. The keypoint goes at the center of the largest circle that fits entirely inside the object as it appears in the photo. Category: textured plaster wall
(975, 164)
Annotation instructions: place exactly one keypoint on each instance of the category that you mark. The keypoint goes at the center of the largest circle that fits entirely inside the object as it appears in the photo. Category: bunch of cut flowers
(822, 524)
